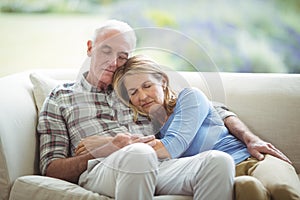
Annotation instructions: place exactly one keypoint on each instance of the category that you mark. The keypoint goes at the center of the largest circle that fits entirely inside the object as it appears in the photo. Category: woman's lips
(147, 104)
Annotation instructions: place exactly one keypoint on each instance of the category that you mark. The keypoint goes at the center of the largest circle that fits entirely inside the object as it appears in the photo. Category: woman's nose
(142, 95)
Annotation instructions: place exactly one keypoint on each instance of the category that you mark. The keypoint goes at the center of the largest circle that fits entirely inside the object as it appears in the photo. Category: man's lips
(107, 72)
(110, 71)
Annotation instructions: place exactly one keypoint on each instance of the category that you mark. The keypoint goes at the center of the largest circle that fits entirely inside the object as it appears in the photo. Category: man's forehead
(115, 40)
(114, 47)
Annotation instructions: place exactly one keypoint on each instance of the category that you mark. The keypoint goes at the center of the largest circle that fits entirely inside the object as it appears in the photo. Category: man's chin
(104, 84)
(106, 79)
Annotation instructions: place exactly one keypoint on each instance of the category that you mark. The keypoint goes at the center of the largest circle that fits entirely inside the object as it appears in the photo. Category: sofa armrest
(17, 130)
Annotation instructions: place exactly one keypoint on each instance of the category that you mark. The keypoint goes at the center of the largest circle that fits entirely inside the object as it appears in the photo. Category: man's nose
(113, 63)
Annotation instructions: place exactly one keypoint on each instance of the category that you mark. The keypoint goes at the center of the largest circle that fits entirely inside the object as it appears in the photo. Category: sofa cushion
(42, 86)
(41, 187)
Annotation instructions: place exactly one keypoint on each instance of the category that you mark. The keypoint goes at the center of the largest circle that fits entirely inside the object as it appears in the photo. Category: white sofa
(268, 103)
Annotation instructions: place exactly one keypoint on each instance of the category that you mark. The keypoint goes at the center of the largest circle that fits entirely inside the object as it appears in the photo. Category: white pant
(208, 176)
(133, 173)
(129, 173)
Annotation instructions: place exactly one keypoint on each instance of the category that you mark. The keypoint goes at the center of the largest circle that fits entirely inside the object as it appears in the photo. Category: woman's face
(145, 91)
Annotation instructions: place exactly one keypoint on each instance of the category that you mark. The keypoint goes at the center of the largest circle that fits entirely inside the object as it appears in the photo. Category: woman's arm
(191, 110)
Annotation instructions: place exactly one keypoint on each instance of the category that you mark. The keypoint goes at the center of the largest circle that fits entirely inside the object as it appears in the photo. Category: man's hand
(91, 143)
(258, 147)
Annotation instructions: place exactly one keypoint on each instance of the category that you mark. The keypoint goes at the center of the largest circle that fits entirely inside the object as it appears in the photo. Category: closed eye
(132, 92)
(147, 84)
(123, 56)
(106, 49)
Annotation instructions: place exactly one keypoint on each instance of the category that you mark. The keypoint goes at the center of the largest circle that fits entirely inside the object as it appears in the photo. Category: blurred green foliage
(239, 36)
(161, 18)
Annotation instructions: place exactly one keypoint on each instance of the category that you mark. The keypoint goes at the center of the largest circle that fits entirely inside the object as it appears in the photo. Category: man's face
(109, 52)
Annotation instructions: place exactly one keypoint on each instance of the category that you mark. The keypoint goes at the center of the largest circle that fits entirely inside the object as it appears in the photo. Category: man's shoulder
(62, 89)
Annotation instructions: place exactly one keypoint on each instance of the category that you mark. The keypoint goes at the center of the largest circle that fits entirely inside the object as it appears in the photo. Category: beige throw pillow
(42, 86)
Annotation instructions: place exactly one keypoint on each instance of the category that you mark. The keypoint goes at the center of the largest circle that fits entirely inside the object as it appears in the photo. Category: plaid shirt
(74, 111)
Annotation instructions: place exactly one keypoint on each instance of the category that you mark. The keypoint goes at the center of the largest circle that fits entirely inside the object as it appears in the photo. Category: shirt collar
(90, 88)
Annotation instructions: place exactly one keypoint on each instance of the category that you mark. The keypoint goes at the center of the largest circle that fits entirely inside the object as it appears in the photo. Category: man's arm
(68, 169)
(256, 146)
(71, 168)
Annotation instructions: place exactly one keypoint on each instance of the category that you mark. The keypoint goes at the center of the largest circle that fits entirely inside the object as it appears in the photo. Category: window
(230, 36)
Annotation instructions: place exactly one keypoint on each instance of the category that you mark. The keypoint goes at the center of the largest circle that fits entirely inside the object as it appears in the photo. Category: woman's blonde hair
(145, 65)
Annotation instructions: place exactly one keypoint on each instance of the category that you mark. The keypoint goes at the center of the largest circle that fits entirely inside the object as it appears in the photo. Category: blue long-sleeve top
(195, 126)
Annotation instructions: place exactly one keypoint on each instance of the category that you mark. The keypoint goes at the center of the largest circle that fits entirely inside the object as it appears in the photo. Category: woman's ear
(89, 48)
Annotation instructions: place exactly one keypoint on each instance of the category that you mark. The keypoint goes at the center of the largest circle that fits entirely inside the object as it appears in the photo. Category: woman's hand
(160, 149)
(93, 144)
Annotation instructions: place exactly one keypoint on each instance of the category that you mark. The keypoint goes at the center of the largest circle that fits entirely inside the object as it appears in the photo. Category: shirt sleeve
(222, 110)
(53, 134)
(191, 109)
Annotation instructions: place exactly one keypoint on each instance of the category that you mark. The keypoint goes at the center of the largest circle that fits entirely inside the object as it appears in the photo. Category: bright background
(239, 36)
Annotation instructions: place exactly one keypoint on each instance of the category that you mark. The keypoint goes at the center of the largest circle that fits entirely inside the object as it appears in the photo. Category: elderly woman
(188, 125)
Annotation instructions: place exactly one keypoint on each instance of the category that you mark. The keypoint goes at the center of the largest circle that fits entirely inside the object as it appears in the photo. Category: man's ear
(164, 83)
(89, 48)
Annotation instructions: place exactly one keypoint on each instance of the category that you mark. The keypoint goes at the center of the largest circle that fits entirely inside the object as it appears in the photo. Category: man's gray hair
(119, 26)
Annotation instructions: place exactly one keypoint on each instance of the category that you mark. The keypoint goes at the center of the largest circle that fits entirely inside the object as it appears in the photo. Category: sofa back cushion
(269, 104)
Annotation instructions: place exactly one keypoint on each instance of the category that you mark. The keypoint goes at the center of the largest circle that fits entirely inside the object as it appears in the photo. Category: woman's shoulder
(191, 94)
(191, 91)
(193, 98)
